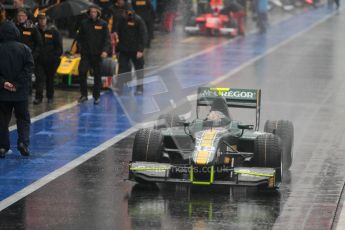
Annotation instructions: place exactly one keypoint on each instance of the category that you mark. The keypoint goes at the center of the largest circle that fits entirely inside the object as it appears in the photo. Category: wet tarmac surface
(302, 81)
(94, 196)
(305, 84)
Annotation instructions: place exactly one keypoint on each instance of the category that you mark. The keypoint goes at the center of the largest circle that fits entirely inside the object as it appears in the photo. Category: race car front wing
(188, 174)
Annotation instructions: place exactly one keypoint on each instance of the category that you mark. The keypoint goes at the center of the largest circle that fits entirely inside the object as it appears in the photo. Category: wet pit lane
(302, 81)
(95, 196)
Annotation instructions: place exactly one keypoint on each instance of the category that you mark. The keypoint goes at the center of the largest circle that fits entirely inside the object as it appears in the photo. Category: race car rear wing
(236, 98)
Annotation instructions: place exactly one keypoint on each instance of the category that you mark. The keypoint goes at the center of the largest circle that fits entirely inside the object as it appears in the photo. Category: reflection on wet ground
(195, 208)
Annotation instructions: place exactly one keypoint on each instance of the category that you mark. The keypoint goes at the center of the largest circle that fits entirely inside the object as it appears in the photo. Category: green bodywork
(178, 138)
(228, 154)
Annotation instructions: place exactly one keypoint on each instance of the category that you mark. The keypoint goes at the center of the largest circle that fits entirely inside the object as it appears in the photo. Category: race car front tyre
(148, 145)
(285, 130)
(268, 153)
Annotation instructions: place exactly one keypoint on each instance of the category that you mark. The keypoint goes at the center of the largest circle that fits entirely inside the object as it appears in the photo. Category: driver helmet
(218, 118)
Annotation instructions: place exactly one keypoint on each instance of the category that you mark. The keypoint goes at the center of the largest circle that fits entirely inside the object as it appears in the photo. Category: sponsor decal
(229, 93)
(27, 33)
(208, 93)
(140, 3)
(50, 36)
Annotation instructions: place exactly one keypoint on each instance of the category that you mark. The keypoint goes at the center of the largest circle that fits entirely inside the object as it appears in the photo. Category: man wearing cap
(48, 59)
(94, 42)
(16, 64)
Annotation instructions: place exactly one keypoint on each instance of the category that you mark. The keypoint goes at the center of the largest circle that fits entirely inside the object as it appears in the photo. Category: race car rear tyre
(168, 121)
(268, 153)
(148, 144)
(285, 130)
(220, 105)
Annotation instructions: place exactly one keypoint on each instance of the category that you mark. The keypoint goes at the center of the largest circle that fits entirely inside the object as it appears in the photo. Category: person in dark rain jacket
(94, 42)
(48, 60)
(29, 34)
(117, 10)
(16, 66)
(132, 36)
(145, 10)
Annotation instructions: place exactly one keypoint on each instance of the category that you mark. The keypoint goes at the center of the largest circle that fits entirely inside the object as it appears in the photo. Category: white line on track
(51, 112)
(341, 222)
(64, 169)
(78, 161)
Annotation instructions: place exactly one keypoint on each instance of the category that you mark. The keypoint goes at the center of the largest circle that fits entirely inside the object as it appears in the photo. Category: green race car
(214, 150)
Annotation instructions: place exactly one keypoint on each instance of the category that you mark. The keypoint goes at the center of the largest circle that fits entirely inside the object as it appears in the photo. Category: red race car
(213, 24)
